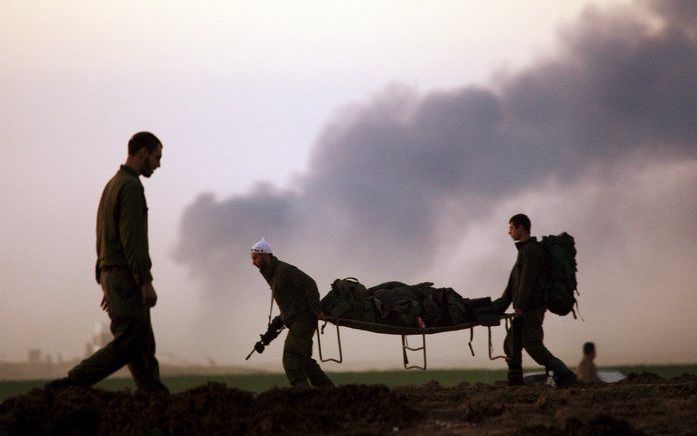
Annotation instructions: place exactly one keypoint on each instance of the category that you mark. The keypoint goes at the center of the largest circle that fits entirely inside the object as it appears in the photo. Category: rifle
(274, 329)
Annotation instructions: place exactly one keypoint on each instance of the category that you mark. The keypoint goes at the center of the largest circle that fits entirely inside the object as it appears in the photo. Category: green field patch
(265, 381)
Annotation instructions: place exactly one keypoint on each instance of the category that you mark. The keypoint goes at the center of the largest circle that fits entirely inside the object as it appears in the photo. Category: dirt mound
(634, 407)
(642, 378)
(642, 404)
(210, 409)
(346, 408)
(600, 425)
(685, 378)
(91, 411)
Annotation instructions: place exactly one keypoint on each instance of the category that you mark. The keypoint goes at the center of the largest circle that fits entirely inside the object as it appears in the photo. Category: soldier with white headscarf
(297, 297)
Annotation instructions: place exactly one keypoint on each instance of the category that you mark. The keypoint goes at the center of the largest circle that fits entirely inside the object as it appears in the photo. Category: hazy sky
(381, 140)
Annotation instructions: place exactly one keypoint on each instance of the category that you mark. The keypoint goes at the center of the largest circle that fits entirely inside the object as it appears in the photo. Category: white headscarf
(261, 247)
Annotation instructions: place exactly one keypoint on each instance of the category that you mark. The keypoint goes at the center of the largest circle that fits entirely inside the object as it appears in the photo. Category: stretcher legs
(405, 347)
(491, 347)
(319, 344)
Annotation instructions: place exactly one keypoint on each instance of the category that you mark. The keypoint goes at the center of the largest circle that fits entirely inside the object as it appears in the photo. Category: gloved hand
(274, 329)
(276, 324)
(267, 337)
(259, 347)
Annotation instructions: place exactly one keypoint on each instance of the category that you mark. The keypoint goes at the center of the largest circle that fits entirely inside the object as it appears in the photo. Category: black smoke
(384, 176)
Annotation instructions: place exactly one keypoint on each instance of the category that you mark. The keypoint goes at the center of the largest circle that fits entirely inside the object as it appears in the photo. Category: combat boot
(301, 385)
(565, 380)
(515, 378)
(58, 384)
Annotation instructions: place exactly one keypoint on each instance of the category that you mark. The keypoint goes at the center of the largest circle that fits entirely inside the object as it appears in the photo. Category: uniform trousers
(526, 333)
(134, 341)
(297, 356)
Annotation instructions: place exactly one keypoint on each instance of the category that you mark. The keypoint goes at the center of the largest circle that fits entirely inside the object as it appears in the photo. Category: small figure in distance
(587, 372)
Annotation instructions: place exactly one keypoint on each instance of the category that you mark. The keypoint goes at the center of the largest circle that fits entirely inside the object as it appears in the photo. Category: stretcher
(404, 332)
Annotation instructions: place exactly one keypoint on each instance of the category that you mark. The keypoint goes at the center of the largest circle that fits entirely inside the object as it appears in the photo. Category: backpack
(558, 276)
(348, 299)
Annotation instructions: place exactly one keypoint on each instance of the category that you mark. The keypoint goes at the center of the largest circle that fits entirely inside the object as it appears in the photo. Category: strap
(404, 353)
(270, 309)
(471, 339)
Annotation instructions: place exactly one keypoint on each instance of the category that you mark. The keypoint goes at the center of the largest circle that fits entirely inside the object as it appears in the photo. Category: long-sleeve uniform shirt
(523, 288)
(122, 226)
(294, 291)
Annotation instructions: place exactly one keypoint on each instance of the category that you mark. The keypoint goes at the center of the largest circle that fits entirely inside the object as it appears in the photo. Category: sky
(383, 141)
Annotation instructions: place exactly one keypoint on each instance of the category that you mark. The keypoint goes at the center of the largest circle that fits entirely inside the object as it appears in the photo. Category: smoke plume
(387, 178)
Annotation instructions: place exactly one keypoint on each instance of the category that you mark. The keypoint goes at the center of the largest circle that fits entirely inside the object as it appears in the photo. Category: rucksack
(348, 299)
(558, 276)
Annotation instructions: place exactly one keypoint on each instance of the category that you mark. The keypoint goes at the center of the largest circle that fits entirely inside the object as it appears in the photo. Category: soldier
(123, 271)
(297, 297)
(524, 292)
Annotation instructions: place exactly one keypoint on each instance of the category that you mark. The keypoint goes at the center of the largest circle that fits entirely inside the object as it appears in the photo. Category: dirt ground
(641, 404)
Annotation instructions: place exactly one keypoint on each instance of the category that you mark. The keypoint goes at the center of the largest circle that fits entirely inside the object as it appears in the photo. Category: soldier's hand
(149, 295)
(259, 347)
(105, 303)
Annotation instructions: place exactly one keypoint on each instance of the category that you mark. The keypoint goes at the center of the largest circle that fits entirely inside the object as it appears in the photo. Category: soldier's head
(144, 153)
(519, 227)
(261, 254)
(589, 350)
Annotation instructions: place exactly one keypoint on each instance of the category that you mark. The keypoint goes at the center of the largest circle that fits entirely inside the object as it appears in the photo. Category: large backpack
(558, 277)
(348, 299)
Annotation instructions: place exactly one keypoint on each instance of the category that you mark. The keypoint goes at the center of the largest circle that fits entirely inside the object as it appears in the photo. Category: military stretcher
(404, 332)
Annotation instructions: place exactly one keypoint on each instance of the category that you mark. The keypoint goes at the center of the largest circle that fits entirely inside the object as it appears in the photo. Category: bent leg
(123, 308)
(533, 336)
(513, 346)
(297, 350)
(317, 377)
(143, 365)
(297, 357)
(98, 366)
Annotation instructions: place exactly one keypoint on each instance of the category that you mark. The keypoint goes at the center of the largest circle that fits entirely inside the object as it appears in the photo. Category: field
(261, 382)
(653, 399)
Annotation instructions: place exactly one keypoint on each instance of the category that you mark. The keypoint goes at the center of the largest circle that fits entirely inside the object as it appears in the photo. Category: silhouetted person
(524, 291)
(123, 271)
(587, 372)
(298, 299)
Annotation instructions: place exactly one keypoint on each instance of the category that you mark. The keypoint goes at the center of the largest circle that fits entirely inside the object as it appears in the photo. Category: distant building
(34, 355)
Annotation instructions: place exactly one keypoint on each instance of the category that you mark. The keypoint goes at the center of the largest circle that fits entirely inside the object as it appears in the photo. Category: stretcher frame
(404, 332)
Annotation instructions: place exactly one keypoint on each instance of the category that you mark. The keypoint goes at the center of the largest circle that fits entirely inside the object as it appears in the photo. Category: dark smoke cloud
(681, 14)
(384, 176)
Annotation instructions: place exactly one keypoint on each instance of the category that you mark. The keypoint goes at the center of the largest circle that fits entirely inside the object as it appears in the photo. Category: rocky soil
(641, 404)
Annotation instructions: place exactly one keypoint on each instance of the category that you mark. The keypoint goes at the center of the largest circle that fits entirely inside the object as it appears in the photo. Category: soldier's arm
(309, 287)
(504, 300)
(507, 295)
(133, 230)
(312, 294)
(530, 271)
